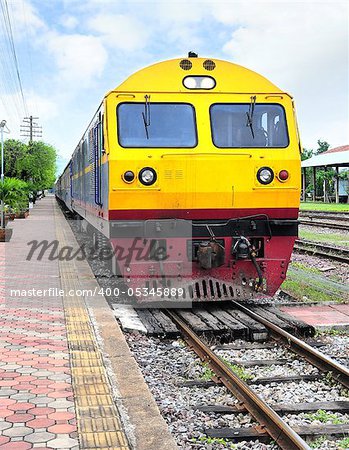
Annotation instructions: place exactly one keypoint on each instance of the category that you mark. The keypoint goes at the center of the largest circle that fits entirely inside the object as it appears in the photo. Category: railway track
(270, 422)
(315, 223)
(326, 251)
(328, 215)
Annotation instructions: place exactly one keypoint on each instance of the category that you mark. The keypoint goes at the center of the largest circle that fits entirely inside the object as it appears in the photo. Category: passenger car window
(156, 125)
(231, 129)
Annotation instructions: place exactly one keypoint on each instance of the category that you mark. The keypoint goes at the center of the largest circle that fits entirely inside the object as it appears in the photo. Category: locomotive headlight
(199, 82)
(147, 176)
(265, 175)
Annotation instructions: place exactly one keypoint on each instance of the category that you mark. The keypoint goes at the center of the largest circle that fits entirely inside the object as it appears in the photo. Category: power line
(29, 53)
(15, 56)
(11, 50)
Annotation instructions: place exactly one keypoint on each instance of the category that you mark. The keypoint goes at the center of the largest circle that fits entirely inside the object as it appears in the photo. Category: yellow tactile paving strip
(98, 421)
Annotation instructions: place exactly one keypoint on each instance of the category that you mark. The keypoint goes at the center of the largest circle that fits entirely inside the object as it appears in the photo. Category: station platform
(67, 377)
(322, 317)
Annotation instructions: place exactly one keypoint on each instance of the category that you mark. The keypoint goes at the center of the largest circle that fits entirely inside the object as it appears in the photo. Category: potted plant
(10, 213)
(14, 194)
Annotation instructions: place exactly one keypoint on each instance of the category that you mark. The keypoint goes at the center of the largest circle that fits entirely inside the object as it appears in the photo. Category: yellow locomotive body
(202, 177)
(211, 146)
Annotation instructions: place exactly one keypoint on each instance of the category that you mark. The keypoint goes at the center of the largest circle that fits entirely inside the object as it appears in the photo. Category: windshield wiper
(249, 114)
(146, 115)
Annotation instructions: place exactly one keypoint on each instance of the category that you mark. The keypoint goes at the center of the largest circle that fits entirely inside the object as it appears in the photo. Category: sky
(69, 53)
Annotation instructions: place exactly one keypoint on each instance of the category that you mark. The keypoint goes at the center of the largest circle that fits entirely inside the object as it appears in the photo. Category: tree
(323, 147)
(306, 154)
(34, 163)
(39, 166)
(14, 154)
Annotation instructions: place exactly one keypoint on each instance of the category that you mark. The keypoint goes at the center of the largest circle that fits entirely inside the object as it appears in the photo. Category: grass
(319, 206)
(318, 442)
(307, 292)
(331, 332)
(324, 417)
(327, 238)
(344, 444)
(239, 371)
(305, 268)
(208, 374)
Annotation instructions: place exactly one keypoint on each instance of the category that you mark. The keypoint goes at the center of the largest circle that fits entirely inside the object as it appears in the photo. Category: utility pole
(30, 128)
(2, 131)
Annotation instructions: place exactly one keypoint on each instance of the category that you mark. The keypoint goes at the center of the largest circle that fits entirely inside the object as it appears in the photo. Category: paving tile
(62, 428)
(65, 442)
(26, 378)
(61, 415)
(7, 392)
(19, 418)
(4, 440)
(16, 446)
(41, 390)
(17, 431)
(23, 395)
(8, 383)
(42, 400)
(21, 406)
(6, 402)
(41, 411)
(43, 382)
(24, 387)
(28, 370)
(40, 437)
(60, 394)
(61, 404)
(34, 355)
(40, 423)
(5, 425)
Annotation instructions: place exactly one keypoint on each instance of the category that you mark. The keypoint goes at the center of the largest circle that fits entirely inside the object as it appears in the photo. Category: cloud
(120, 31)
(303, 48)
(69, 22)
(25, 20)
(79, 58)
(43, 106)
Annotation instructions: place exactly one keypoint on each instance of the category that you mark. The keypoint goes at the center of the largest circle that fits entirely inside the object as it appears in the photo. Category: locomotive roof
(167, 76)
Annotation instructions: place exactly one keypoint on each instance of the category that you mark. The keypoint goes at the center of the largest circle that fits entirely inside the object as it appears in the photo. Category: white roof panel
(328, 159)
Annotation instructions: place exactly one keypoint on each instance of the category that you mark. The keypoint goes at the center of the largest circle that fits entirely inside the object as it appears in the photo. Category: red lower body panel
(179, 271)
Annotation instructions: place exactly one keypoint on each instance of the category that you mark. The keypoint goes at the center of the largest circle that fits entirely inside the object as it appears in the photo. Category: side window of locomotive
(234, 126)
(159, 125)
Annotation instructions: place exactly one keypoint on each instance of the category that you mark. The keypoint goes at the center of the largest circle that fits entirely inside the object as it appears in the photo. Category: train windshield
(240, 126)
(156, 125)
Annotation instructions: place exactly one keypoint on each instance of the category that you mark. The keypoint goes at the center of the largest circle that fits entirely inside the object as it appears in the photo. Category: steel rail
(311, 212)
(328, 217)
(311, 354)
(269, 420)
(314, 248)
(313, 223)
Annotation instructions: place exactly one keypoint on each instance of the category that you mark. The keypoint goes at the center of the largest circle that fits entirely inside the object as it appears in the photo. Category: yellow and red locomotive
(198, 161)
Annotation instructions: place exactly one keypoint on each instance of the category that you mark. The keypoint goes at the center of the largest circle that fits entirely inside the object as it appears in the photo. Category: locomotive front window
(240, 126)
(159, 125)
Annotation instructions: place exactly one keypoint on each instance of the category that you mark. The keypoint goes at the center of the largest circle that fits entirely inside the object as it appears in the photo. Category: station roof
(335, 157)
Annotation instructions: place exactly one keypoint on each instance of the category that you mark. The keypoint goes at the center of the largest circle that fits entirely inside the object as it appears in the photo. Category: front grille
(185, 64)
(203, 290)
(209, 64)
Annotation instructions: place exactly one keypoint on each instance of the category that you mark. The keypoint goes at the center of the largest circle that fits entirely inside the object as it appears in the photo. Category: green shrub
(14, 193)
